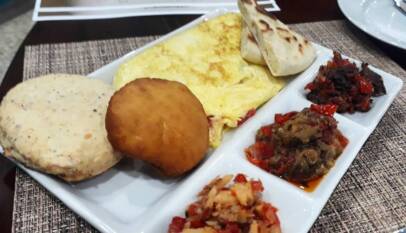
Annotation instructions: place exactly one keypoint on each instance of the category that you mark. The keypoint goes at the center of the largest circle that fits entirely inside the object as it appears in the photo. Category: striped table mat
(370, 198)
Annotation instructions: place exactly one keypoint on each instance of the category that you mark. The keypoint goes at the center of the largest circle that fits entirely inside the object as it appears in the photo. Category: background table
(293, 11)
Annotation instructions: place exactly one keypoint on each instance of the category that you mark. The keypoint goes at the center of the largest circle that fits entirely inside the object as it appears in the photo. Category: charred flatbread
(284, 51)
(249, 47)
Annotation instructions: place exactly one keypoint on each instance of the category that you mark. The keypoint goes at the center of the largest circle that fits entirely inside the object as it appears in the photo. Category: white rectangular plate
(128, 198)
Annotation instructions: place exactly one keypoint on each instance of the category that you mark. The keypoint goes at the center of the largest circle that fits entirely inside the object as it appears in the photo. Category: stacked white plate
(382, 19)
(96, 9)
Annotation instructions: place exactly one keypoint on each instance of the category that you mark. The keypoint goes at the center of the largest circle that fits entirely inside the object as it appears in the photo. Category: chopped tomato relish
(299, 146)
(227, 207)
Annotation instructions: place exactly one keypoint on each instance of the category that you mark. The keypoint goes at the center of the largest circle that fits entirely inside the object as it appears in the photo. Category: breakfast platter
(218, 170)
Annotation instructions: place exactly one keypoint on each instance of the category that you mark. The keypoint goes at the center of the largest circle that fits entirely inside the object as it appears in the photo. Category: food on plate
(341, 83)
(224, 206)
(299, 146)
(55, 124)
(160, 122)
(285, 51)
(207, 59)
(249, 47)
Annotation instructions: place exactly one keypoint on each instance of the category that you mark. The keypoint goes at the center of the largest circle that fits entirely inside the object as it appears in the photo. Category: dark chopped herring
(375, 79)
(224, 207)
(341, 83)
(299, 146)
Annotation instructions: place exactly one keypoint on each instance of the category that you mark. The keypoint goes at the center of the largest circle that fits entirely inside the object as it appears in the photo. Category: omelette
(207, 59)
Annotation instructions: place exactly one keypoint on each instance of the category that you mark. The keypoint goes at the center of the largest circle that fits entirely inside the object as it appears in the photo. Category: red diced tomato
(326, 109)
(260, 150)
(249, 114)
(258, 153)
(343, 140)
(266, 131)
(310, 86)
(280, 119)
(193, 210)
(365, 87)
(257, 186)
(176, 225)
(269, 214)
(255, 161)
(240, 178)
(197, 224)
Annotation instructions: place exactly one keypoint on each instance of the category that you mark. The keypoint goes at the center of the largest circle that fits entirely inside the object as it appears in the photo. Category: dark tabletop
(293, 11)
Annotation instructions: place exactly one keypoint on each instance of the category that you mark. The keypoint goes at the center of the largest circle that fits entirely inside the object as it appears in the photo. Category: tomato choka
(299, 146)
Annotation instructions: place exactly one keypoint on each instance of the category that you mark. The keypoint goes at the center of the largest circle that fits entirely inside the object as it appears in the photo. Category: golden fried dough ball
(160, 122)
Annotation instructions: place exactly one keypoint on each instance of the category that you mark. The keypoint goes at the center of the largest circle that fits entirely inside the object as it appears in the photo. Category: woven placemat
(370, 198)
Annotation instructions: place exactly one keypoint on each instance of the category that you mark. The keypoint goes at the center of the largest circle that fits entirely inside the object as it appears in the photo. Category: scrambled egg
(207, 59)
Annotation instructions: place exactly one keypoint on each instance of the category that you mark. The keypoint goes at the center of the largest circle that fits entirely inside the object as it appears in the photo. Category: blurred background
(17, 16)
(15, 23)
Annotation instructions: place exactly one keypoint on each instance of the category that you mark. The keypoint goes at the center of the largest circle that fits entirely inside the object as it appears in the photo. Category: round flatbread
(55, 124)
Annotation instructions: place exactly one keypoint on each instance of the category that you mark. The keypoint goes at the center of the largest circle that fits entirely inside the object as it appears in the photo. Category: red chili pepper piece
(240, 178)
(249, 114)
(326, 109)
(176, 225)
(257, 186)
